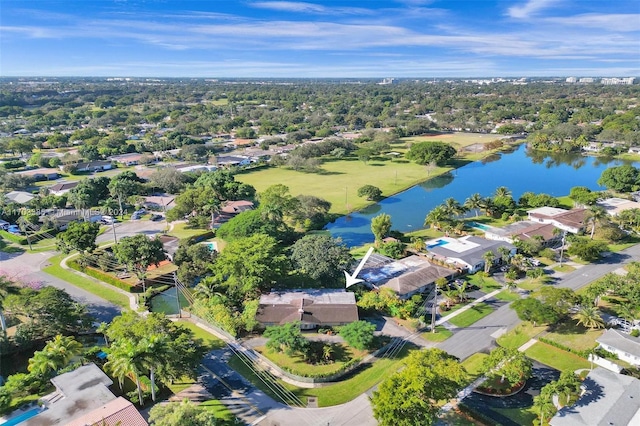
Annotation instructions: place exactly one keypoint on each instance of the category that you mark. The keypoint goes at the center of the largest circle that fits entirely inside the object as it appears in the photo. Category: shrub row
(22, 240)
(104, 277)
(342, 369)
(580, 353)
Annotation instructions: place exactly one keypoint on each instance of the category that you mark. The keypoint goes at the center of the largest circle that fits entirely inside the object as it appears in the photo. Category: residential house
(228, 210)
(40, 174)
(572, 221)
(313, 308)
(197, 168)
(614, 206)
(232, 161)
(62, 187)
(406, 277)
(608, 398)
(634, 150)
(19, 197)
(131, 159)
(466, 253)
(82, 397)
(625, 346)
(523, 231)
(93, 166)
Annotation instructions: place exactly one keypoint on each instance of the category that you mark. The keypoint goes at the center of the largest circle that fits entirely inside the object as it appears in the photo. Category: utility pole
(564, 234)
(113, 227)
(175, 282)
(434, 309)
(23, 226)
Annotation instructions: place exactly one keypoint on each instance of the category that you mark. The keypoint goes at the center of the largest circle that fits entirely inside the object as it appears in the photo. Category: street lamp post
(564, 234)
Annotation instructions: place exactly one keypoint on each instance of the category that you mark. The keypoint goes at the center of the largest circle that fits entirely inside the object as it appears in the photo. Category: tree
(410, 396)
(184, 413)
(169, 179)
(56, 354)
(193, 261)
(586, 249)
(452, 207)
(252, 222)
(124, 359)
(474, 202)
(79, 236)
(286, 338)
(51, 311)
(321, 258)
(543, 405)
(532, 309)
(381, 226)
(625, 178)
(276, 202)
(171, 348)
(437, 217)
(358, 334)
(588, 316)
(488, 257)
(583, 196)
(508, 364)
(122, 187)
(502, 191)
(7, 287)
(426, 152)
(596, 214)
(246, 267)
(561, 300)
(373, 193)
(139, 252)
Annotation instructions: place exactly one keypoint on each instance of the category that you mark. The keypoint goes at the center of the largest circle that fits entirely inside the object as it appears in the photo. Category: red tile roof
(117, 412)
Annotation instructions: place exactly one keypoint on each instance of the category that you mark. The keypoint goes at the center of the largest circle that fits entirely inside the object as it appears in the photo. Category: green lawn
(182, 230)
(625, 243)
(530, 284)
(212, 342)
(522, 416)
(574, 336)
(440, 335)
(519, 335)
(473, 364)
(297, 365)
(564, 268)
(507, 296)
(339, 180)
(221, 412)
(468, 317)
(556, 358)
(485, 284)
(338, 393)
(89, 285)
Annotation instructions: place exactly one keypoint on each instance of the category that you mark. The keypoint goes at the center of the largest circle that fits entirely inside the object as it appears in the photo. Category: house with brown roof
(43, 173)
(62, 187)
(524, 230)
(568, 220)
(312, 308)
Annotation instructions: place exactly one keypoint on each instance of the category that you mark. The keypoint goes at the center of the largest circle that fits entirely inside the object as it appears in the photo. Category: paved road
(132, 227)
(26, 267)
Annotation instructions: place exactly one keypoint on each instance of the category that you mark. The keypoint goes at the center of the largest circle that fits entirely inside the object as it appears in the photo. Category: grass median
(471, 315)
(100, 290)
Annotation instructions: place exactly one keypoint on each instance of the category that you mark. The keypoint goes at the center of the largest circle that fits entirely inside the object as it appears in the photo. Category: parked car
(4, 225)
(14, 229)
(157, 217)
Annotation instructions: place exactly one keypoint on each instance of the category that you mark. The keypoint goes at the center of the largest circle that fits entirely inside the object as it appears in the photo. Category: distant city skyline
(321, 39)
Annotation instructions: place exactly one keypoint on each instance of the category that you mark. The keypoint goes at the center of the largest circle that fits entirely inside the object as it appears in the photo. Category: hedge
(104, 277)
(22, 240)
(583, 353)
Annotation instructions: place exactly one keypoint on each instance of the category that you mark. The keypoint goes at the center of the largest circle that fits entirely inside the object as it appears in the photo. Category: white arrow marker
(351, 279)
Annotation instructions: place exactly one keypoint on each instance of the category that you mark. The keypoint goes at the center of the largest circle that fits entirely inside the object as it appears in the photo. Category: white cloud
(616, 22)
(529, 8)
(309, 8)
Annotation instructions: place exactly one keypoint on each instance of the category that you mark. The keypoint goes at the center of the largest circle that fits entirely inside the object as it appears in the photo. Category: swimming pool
(213, 246)
(479, 226)
(438, 243)
(22, 417)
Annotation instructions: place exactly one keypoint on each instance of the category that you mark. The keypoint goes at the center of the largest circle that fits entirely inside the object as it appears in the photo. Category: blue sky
(264, 38)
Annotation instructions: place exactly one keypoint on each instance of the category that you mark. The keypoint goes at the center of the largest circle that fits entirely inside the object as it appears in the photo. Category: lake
(521, 171)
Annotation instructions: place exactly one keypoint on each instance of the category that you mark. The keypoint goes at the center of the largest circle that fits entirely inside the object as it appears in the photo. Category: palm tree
(56, 354)
(450, 297)
(488, 206)
(102, 328)
(155, 352)
(505, 254)
(488, 257)
(461, 290)
(503, 191)
(327, 352)
(474, 202)
(452, 207)
(543, 406)
(589, 316)
(627, 312)
(436, 217)
(596, 214)
(126, 358)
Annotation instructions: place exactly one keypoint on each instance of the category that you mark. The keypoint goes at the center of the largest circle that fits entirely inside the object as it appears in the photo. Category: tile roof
(310, 306)
(416, 280)
(118, 412)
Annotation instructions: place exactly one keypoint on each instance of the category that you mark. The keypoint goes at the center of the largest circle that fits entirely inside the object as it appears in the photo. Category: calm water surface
(521, 171)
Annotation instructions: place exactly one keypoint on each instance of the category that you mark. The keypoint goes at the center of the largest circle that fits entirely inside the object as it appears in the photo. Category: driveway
(132, 227)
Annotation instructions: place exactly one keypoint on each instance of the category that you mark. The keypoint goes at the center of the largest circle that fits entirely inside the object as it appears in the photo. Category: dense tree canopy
(427, 152)
(625, 178)
(321, 258)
